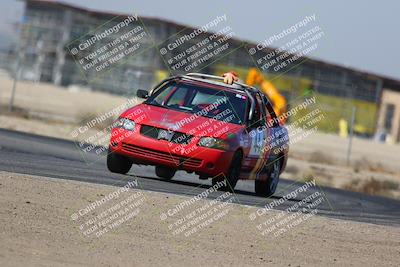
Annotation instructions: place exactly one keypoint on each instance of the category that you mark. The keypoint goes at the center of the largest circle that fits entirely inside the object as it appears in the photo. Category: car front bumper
(149, 151)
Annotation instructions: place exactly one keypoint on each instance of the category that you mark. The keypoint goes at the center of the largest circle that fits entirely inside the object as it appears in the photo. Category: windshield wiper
(155, 104)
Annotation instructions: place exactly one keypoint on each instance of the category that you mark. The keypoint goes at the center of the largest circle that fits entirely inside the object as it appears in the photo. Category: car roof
(213, 85)
(206, 79)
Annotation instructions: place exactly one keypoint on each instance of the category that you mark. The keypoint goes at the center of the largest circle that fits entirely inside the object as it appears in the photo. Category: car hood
(180, 121)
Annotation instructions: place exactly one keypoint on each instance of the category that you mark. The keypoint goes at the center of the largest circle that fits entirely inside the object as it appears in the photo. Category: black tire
(267, 188)
(232, 176)
(165, 172)
(117, 163)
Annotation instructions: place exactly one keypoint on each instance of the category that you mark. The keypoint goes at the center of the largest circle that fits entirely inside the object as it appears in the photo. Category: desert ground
(37, 230)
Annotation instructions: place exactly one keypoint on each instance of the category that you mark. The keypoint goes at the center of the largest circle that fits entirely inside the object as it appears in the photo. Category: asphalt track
(56, 158)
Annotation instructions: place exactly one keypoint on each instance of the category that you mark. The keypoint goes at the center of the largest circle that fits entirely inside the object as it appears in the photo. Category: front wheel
(232, 177)
(117, 163)
(165, 172)
(267, 188)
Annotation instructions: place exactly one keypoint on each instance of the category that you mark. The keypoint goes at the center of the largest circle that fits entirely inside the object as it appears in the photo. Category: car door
(258, 132)
(278, 138)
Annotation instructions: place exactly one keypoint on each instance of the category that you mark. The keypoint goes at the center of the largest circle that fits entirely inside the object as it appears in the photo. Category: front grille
(177, 137)
(181, 138)
(149, 131)
(162, 156)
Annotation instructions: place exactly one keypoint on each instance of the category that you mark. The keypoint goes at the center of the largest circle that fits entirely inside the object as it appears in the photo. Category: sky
(360, 34)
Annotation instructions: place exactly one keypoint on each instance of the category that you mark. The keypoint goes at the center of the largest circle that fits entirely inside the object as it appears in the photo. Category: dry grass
(17, 112)
(308, 177)
(89, 116)
(371, 186)
(320, 157)
(292, 169)
(364, 164)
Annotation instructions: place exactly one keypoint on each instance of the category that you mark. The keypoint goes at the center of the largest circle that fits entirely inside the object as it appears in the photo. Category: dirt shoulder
(37, 230)
(56, 101)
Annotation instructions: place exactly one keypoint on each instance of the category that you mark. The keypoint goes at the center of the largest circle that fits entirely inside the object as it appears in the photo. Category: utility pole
(17, 73)
(353, 117)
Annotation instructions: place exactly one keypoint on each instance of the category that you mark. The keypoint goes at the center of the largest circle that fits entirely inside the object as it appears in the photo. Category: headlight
(125, 124)
(213, 143)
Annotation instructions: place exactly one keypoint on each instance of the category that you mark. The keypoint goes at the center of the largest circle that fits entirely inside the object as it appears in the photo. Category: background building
(389, 115)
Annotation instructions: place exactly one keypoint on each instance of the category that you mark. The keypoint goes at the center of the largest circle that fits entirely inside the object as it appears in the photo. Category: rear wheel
(232, 176)
(267, 188)
(165, 172)
(117, 163)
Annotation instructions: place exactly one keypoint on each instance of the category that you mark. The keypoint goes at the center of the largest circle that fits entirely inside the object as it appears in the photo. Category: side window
(271, 117)
(261, 104)
(259, 114)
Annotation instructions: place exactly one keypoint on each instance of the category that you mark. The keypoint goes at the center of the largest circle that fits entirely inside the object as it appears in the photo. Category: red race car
(203, 124)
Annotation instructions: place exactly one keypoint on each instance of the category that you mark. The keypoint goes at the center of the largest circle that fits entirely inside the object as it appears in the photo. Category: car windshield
(207, 102)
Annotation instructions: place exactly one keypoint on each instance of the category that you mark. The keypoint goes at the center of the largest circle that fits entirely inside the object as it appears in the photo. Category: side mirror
(142, 93)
